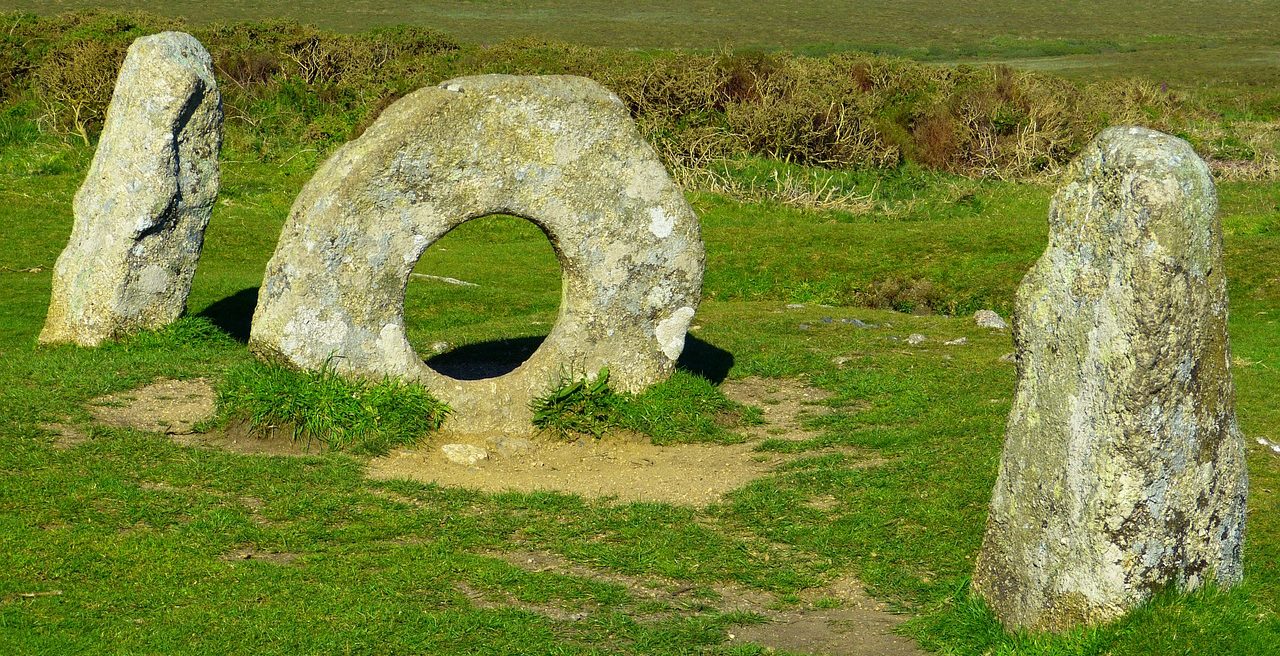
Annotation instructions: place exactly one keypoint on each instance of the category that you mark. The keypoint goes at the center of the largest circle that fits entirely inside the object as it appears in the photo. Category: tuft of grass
(355, 415)
(578, 405)
(684, 408)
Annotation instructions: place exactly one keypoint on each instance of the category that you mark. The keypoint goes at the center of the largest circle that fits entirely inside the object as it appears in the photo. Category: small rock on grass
(916, 339)
(467, 455)
(959, 341)
(989, 319)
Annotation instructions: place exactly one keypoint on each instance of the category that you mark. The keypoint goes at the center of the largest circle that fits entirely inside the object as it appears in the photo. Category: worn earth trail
(837, 618)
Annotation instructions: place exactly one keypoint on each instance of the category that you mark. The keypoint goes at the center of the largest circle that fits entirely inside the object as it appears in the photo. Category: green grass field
(133, 531)
(129, 543)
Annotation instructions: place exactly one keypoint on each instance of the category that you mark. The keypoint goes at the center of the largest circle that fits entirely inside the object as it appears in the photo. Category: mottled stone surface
(989, 319)
(141, 213)
(559, 151)
(1123, 466)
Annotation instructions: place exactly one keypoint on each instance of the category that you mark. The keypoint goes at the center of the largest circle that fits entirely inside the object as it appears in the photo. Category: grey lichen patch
(559, 151)
(141, 213)
(1123, 467)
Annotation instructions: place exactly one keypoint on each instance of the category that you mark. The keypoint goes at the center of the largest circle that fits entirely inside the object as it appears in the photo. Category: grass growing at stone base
(579, 404)
(684, 408)
(132, 543)
(360, 416)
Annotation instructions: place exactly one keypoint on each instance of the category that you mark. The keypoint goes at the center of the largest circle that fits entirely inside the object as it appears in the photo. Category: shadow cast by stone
(502, 356)
(485, 359)
(705, 359)
(234, 314)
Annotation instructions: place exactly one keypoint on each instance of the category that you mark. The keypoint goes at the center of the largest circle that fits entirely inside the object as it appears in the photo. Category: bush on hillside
(289, 87)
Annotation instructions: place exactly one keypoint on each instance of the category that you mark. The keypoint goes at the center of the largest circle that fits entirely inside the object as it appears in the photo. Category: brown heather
(293, 85)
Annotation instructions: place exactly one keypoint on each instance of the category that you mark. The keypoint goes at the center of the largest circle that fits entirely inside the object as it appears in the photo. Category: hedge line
(288, 86)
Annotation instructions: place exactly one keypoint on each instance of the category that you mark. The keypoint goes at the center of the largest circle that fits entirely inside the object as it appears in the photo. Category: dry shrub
(938, 139)
(291, 82)
(904, 295)
(245, 69)
(805, 191)
(74, 84)
(248, 54)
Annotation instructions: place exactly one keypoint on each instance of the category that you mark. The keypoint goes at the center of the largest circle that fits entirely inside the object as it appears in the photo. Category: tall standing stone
(141, 213)
(1123, 467)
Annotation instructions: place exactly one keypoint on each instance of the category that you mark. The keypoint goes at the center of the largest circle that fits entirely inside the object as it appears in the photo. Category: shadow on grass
(705, 359)
(485, 359)
(502, 356)
(234, 314)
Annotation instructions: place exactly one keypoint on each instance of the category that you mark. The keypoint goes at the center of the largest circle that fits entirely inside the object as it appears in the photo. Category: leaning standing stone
(1123, 467)
(141, 213)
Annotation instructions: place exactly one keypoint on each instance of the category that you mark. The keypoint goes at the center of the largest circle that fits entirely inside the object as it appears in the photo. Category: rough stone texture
(141, 213)
(467, 455)
(561, 152)
(1123, 466)
(989, 319)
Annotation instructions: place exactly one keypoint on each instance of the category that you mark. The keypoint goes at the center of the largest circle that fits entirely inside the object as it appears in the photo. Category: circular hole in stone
(483, 297)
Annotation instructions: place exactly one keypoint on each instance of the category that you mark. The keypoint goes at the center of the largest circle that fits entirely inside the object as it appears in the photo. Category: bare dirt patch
(838, 618)
(498, 599)
(176, 408)
(785, 404)
(619, 466)
(173, 407)
(238, 437)
(66, 436)
(624, 467)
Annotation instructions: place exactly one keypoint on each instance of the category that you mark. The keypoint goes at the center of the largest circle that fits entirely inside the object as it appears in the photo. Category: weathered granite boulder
(141, 213)
(561, 152)
(1123, 467)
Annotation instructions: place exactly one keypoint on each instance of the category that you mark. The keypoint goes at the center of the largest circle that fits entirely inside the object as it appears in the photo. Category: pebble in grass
(560, 150)
(141, 213)
(1123, 467)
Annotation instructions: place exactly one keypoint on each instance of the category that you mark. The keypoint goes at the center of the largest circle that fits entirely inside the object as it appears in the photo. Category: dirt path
(838, 618)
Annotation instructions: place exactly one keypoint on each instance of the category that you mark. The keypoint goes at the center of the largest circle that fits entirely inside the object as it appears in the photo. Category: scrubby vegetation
(291, 89)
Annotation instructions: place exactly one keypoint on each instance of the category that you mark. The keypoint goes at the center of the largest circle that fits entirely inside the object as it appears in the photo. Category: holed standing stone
(1123, 467)
(141, 213)
(560, 151)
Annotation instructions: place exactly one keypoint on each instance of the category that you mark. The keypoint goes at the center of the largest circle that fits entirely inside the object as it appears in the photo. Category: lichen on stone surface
(1123, 465)
(559, 151)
